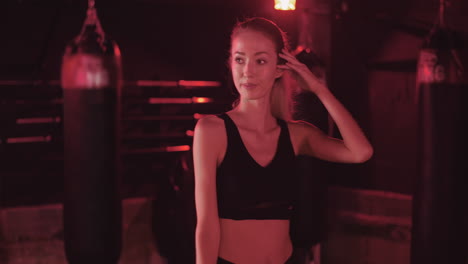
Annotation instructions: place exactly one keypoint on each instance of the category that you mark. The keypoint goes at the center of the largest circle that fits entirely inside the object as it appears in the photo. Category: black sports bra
(247, 190)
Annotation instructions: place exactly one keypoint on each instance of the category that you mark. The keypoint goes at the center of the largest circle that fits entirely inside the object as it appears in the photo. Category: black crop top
(245, 189)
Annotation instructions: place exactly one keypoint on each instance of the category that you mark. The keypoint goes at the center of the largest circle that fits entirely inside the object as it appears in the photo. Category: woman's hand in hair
(305, 78)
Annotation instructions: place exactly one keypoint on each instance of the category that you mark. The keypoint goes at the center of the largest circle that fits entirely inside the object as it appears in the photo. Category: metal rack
(157, 122)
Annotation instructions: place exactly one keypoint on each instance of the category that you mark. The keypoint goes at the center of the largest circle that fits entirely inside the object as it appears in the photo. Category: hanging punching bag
(91, 82)
(440, 199)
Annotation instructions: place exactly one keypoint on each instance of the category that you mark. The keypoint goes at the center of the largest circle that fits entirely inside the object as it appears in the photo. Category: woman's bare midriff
(255, 241)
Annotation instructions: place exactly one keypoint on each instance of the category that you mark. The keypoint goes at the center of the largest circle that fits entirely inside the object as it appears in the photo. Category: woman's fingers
(289, 58)
(300, 68)
(283, 66)
(292, 67)
(303, 74)
(285, 51)
(292, 63)
(312, 82)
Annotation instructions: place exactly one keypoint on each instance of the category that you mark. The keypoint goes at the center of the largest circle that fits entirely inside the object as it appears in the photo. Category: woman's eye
(261, 61)
(239, 60)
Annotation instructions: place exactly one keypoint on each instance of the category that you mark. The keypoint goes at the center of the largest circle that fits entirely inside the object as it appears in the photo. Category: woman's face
(253, 64)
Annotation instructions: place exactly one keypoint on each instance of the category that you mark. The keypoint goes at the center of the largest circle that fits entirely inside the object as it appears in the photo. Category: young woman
(244, 158)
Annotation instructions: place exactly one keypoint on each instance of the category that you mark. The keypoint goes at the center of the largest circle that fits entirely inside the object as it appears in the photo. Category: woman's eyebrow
(257, 53)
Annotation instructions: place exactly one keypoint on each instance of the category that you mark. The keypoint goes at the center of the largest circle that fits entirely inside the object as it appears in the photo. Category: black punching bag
(91, 82)
(439, 233)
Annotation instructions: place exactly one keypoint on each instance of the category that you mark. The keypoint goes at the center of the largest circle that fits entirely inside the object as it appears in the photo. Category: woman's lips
(249, 85)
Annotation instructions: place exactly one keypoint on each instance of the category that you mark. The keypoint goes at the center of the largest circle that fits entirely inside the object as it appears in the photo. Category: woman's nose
(249, 69)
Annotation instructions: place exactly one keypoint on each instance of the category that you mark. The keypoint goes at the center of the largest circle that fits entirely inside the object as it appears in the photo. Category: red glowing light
(199, 83)
(178, 148)
(195, 100)
(189, 133)
(202, 100)
(35, 139)
(37, 120)
(156, 83)
(157, 100)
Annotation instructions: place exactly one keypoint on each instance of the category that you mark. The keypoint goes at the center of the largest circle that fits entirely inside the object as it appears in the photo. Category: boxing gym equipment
(439, 202)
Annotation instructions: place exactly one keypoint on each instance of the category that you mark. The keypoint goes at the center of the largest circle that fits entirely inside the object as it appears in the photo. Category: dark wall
(156, 40)
(159, 39)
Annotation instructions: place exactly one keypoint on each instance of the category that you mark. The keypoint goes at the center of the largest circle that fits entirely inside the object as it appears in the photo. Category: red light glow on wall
(193, 100)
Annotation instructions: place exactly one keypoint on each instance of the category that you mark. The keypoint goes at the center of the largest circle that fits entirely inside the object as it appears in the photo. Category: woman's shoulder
(210, 121)
(301, 126)
(301, 129)
(210, 126)
(210, 134)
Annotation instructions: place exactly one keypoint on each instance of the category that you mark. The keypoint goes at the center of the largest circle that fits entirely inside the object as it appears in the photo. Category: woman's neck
(256, 115)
